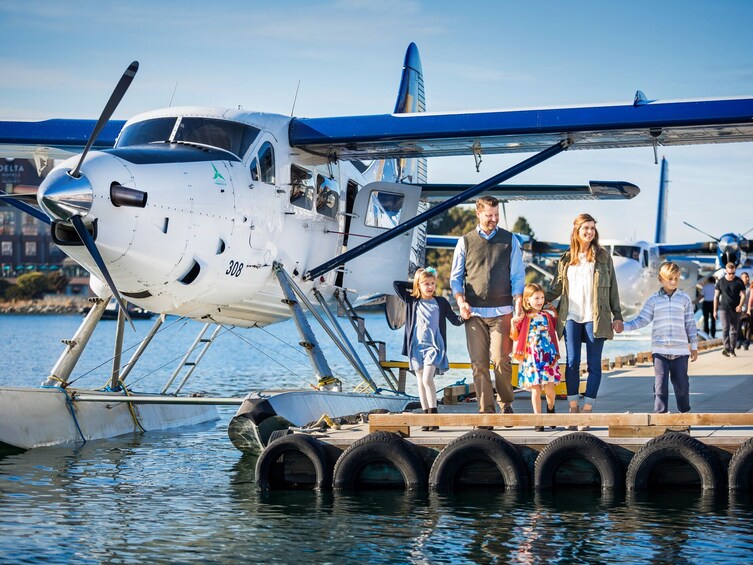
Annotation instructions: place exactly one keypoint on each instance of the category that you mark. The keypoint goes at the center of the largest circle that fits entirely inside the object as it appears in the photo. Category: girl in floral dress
(535, 348)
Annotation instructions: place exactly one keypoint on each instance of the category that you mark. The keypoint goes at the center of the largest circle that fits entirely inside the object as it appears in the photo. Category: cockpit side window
(230, 136)
(267, 163)
(301, 187)
(157, 130)
(327, 196)
(254, 168)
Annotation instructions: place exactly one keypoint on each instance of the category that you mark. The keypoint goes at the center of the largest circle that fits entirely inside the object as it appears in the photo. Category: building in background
(25, 243)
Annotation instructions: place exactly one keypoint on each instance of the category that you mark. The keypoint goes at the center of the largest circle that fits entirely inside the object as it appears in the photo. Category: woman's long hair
(575, 240)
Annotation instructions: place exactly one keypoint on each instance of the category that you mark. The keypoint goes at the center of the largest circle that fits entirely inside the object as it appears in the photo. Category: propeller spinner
(67, 196)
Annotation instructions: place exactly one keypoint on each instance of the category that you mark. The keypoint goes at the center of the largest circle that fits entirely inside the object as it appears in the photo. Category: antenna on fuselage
(173, 95)
(295, 98)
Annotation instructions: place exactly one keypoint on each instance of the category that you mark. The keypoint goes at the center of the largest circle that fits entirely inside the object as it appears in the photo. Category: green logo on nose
(218, 178)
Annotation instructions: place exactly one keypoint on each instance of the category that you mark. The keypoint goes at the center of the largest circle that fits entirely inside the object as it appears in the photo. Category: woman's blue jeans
(575, 335)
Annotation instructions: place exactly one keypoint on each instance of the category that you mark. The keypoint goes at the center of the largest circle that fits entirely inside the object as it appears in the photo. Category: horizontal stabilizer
(595, 190)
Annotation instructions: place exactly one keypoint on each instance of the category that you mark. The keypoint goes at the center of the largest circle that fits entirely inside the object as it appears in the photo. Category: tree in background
(521, 226)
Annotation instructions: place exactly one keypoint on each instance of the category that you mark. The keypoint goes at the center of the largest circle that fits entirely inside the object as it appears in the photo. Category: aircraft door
(380, 206)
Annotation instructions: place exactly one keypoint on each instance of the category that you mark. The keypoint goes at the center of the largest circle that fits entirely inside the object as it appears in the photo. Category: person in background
(425, 338)
(535, 348)
(487, 281)
(743, 329)
(674, 338)
(589, 307)
(728, 303)
(709, 321)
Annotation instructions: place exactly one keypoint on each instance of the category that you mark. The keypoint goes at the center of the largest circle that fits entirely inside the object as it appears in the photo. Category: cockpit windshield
(157, 130)
(223, 134)
(230, 136)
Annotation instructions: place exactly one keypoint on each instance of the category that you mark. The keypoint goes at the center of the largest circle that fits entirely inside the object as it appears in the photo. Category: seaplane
(238, 218)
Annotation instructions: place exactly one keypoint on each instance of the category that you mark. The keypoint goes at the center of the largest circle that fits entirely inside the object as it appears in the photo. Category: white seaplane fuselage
(204, 244)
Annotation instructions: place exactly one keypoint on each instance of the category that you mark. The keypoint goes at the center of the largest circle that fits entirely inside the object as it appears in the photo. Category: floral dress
(539, 366)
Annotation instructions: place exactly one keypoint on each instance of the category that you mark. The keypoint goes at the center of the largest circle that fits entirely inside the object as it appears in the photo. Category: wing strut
(436, 210)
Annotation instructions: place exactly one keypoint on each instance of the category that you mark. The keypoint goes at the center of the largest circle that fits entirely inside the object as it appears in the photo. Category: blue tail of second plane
(661, 210)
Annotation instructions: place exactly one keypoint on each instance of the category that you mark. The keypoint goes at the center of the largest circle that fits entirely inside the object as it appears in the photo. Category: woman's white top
(580, 281)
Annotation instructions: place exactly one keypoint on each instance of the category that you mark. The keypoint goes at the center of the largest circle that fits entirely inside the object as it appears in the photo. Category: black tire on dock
(376, 448)
(579, 445)
(271, 476)
(741, 467)
(677, 446)
(478, 446)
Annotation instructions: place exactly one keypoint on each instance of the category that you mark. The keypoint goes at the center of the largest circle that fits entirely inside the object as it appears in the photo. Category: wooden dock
(721, 422)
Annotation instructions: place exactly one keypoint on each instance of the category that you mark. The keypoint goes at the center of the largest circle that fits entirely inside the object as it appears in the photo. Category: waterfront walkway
(718, 385)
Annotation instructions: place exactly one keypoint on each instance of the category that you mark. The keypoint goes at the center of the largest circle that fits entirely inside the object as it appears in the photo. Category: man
(487, 282)
(728, 303)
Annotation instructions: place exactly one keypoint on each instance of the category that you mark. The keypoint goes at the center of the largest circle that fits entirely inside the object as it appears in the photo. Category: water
(189, 496)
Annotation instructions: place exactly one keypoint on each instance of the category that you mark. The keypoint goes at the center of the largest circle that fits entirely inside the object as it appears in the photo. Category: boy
(671, 311)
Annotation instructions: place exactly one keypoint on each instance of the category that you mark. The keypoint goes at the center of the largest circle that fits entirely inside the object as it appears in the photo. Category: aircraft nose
(63, 196)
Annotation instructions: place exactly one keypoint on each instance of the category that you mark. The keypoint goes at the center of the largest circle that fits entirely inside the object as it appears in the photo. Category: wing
(61, 137)
(642, 123)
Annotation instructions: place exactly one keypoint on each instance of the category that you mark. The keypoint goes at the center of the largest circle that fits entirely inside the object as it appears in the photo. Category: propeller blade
(746, 233)
(701, 231)
(78, 225)
(117, 95)
(24, 207)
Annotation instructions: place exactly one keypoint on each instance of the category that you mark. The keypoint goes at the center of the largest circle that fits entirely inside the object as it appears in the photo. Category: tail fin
(410, 99)
(661, 209)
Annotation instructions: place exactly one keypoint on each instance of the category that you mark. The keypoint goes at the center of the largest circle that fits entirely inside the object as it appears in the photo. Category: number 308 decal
(234, 269)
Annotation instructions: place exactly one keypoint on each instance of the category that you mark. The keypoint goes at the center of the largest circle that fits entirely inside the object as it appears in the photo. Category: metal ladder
(202, 344)
(377, 349)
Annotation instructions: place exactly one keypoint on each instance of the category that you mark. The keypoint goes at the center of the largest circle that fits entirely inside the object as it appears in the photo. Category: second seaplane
(239, 218)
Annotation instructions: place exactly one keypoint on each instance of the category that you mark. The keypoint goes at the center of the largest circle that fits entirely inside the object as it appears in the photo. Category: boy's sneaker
(733, 353)
(725, 352)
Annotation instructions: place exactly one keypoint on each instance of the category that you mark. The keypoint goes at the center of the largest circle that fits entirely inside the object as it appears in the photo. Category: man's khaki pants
(489, 338)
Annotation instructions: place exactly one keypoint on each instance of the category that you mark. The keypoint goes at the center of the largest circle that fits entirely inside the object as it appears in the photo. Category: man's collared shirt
(517, 274)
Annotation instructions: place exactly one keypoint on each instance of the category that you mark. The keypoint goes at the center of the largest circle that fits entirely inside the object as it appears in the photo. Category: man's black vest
(487, 269)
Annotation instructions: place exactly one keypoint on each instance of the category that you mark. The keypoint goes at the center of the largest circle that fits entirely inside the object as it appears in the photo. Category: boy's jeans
(677, 370)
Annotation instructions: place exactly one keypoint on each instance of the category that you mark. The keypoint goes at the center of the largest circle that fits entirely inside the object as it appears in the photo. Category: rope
(69, 403)
(130, 407)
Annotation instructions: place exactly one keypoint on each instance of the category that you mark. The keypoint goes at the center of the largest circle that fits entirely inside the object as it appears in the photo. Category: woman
(589, 307)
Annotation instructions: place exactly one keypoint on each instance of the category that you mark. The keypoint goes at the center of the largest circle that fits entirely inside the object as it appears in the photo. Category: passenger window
(267, 163)
(384, 209)
(254, 169)
(327, 196)
(301, 187)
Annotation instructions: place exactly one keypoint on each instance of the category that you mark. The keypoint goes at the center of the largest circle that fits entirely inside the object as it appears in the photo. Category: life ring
(579, 445)
(379, 448)
(271, 476)
(741, 467)
(672, 445)
(478, 446)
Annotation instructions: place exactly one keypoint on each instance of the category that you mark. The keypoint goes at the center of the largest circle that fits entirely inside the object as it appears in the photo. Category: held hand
(693, 355)
(716, 315)
(617, 326)
(737, 308)
(465, 311)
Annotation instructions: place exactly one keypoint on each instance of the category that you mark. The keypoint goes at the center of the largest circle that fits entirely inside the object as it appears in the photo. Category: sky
(62, 59)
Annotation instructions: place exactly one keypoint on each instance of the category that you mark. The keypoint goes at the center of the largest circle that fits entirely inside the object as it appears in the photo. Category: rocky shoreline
(60, 305)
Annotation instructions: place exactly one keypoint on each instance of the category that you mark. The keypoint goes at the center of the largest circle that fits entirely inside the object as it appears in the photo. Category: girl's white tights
(427, 390)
